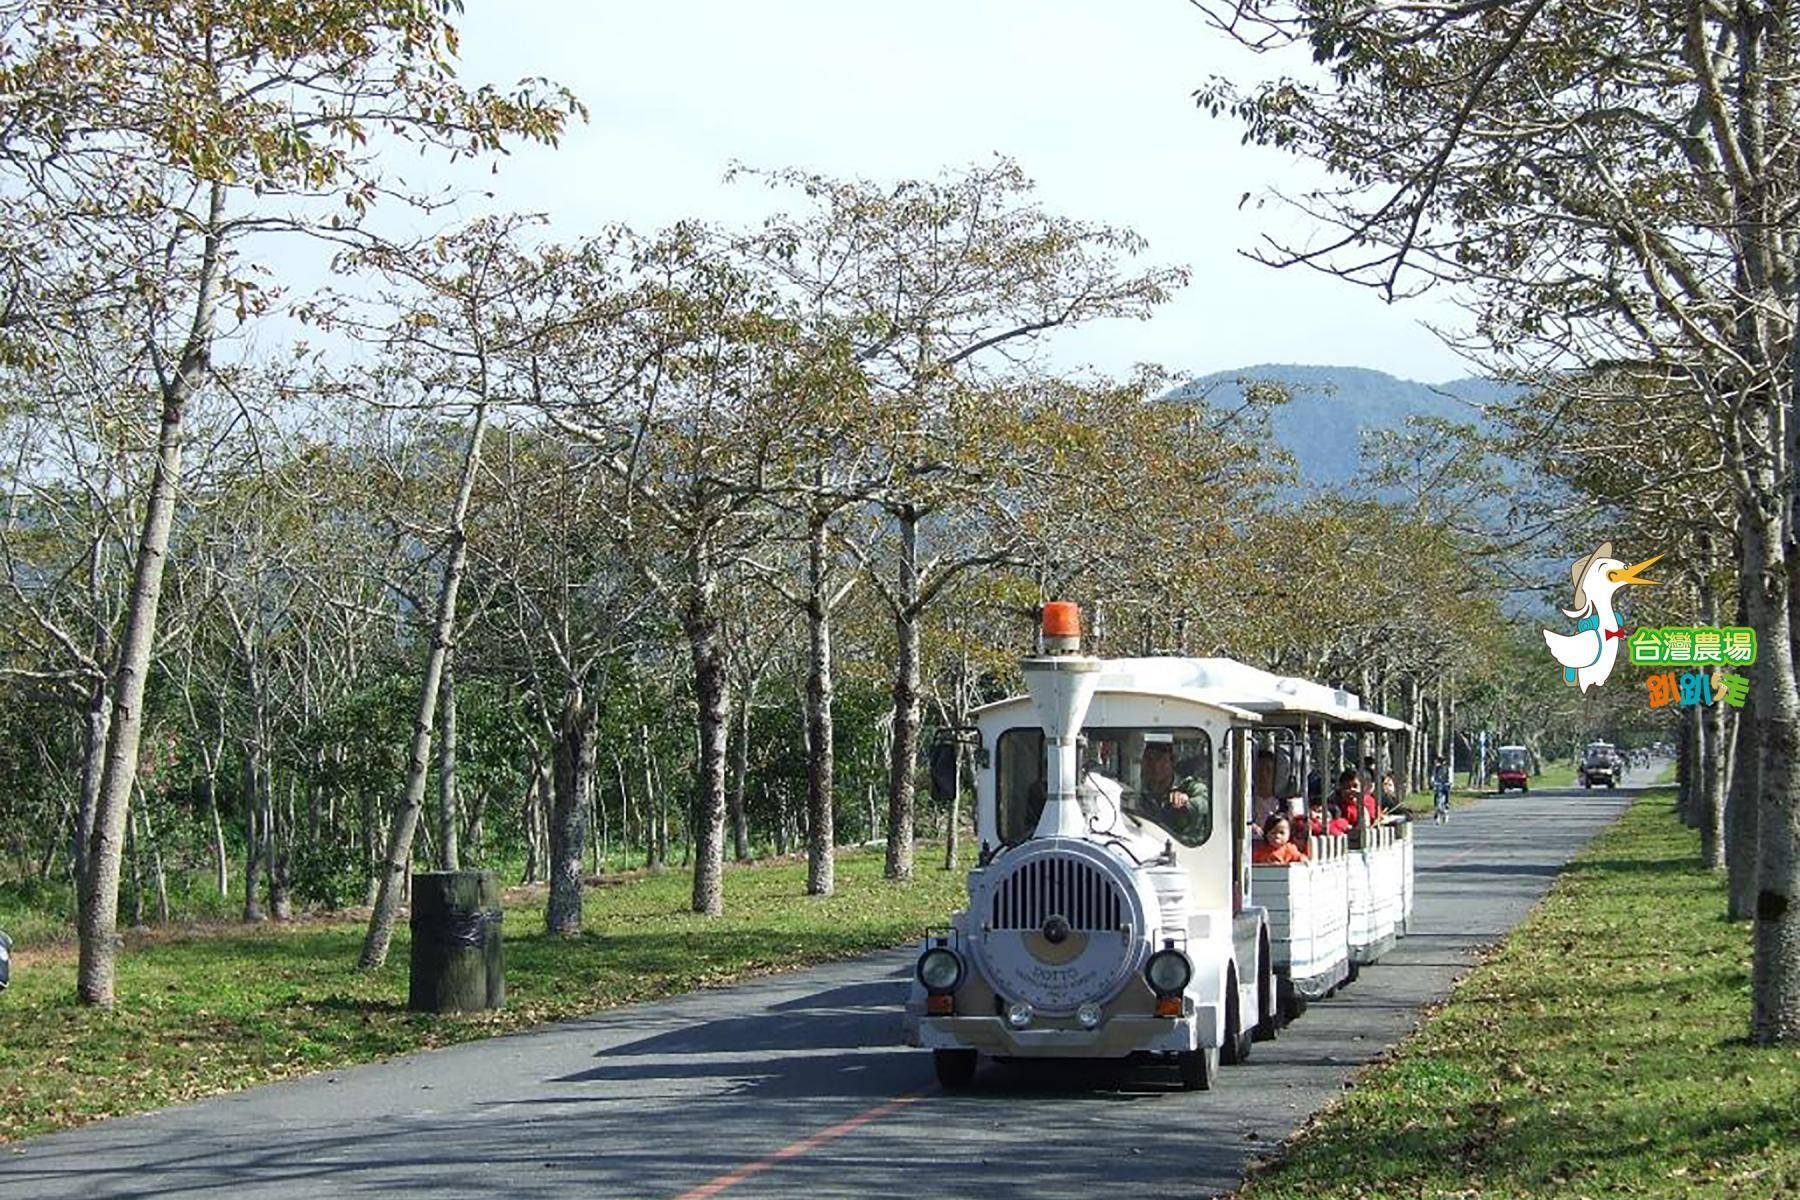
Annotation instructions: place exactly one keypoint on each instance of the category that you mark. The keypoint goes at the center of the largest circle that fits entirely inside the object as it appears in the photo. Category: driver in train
(1157, 771)
(1171, 794)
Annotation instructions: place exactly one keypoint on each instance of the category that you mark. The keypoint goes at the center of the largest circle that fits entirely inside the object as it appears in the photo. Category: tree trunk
(599, 827)
(1688, 767)
(406, 817)
(532, 818)
(662, 814)
(573, 787)
(209, 788)
(1741, 817)
(650, 799)
(1710, 792)
(281, 845)
(159, 880)
(97, 922)
(781, 819)
(624, 804)
(448, 857)
(1712, 787)
(906, 702)
(1447, 724)
(95, 724)
(472, 828)
(1775, 933)
(904, 751)
(740, 776)
(371, 841)
(712, 693)
(1409, 741)
(821, 765)
(133, 860)
(254, 838)
(221, 865)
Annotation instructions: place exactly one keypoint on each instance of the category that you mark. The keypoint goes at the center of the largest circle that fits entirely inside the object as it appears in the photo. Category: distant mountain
(1332, 407)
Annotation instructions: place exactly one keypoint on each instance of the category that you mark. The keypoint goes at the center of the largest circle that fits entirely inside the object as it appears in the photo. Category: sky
(1093, 99)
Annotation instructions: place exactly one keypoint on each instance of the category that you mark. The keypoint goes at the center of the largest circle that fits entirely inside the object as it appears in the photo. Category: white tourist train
(1116, 909)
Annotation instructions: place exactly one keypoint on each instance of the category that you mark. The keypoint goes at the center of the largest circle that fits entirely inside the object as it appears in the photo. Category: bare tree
(943, 279)
(119, 209)
(1603, 194)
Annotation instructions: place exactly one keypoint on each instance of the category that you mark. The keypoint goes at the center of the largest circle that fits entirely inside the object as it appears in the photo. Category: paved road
(794, 1085)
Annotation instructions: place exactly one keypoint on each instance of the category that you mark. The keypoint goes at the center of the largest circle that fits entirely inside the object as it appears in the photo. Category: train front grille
(1053, 885)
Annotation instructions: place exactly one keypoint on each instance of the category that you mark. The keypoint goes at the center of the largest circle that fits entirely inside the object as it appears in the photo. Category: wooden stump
(457, 965)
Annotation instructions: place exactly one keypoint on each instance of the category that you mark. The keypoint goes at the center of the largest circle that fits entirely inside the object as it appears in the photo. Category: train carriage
(1115, 909)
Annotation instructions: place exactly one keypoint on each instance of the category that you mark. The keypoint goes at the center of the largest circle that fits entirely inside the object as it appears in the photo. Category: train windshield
(1165, 776)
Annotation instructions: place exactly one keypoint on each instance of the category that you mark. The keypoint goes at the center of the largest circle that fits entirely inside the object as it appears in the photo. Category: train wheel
(1293, 1004)
(1237, 1039)
(955, 1068)
(1199, 1069)
(1270, 1018)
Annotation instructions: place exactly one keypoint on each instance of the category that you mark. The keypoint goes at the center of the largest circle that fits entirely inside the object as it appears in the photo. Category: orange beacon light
(1062, 627)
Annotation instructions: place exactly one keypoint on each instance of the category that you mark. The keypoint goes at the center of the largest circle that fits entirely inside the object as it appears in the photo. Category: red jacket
(1287, 852)
(1332, 828)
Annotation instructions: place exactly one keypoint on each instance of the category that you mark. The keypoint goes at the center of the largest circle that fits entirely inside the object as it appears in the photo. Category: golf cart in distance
(1599, 766)
(1511, 765)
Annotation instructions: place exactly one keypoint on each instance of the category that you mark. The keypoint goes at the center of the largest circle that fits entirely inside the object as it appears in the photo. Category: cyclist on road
(1440, 791)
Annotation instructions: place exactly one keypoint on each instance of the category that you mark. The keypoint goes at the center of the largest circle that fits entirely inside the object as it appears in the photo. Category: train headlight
(1088, 1014)
(940, 970)
(1168, 972)
(1018, 1014)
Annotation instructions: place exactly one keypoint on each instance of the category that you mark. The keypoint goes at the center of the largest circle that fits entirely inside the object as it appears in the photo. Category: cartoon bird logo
(1587, 655)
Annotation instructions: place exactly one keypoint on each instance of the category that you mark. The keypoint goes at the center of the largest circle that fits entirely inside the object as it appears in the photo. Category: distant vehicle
(1599, 765)
(1511, 767)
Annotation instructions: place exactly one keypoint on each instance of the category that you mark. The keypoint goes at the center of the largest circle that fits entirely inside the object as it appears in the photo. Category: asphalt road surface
(795, 1085)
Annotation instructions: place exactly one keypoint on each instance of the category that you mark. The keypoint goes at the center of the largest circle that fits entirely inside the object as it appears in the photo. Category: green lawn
(215, 1011)
(1599, 1052)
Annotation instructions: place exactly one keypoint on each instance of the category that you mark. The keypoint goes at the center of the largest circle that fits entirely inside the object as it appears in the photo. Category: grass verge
(1598, 1052)
(212, 1012)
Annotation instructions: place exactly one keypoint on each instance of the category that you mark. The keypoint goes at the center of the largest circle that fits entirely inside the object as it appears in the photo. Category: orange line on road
(737, 1175)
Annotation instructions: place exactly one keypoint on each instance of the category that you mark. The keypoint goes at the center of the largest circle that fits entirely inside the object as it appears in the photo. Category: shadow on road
(1481, 868)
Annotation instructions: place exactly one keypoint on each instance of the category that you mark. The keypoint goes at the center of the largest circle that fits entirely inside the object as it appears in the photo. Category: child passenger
(1275, 846)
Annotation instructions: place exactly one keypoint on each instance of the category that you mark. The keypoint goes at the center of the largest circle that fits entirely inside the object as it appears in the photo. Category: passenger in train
(1263, 802)
(1329, 821)
(1275, 846)
(1352, 799)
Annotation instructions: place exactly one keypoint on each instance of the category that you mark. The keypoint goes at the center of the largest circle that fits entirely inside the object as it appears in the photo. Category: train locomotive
(1115, 910)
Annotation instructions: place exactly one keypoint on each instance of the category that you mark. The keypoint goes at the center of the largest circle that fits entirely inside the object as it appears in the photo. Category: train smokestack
(1062, 683)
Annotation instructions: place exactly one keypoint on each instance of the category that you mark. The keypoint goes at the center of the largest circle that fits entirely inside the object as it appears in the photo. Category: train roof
(1238, 688)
